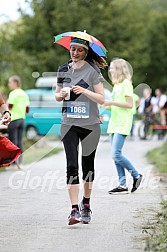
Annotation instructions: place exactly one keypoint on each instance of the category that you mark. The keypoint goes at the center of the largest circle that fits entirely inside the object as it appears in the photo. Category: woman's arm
(5, 111)
(127, 104)
(97, 96)
(60, 94)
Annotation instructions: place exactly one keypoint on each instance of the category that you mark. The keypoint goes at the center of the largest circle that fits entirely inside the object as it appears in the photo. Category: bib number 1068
(78, 110)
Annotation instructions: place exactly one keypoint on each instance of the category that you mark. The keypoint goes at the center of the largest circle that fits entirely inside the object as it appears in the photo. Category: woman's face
(146, 92)
(77, 53)
(158, 92)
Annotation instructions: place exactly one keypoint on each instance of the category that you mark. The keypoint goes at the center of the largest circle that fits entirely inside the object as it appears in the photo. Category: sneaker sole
(73, 221)
(85, 222)
(116, 193)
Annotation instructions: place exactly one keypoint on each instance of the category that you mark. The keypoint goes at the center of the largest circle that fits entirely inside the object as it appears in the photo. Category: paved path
(34, 206)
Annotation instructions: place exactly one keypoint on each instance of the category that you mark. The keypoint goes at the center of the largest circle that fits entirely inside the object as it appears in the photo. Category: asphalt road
(34, 206)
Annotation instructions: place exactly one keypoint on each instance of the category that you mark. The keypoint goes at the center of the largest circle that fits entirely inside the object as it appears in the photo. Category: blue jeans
(121, 162)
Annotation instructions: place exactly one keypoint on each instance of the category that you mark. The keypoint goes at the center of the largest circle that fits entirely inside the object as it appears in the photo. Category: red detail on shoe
(86, 205)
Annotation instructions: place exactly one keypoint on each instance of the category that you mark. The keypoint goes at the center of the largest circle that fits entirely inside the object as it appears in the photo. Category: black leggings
(15, 132)
(89, 137)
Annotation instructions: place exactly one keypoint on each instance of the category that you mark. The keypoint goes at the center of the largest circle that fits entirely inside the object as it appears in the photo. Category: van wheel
(31, 132)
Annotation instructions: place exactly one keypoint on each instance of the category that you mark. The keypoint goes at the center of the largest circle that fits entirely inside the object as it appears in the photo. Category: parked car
(45, 115)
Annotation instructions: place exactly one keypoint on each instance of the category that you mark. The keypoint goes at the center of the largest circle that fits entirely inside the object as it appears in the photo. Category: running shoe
(85, 213)
(74, 217)
(136, 183)
(119, 190)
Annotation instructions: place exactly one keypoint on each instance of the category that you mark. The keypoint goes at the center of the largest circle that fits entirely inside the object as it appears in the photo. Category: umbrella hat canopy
(64, 39)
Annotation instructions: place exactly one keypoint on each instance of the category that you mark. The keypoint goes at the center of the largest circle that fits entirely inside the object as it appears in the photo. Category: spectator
(145, 108)
(160, 105)
(145, 105)
(18, 103)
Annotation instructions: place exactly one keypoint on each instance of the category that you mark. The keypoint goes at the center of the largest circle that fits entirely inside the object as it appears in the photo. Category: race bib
(77, 109)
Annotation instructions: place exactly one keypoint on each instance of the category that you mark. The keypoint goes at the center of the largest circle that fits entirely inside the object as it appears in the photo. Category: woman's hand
(63, 94)
(6, 115)
(60, 94)
(78, 89)
(97, 96)
(6, 118)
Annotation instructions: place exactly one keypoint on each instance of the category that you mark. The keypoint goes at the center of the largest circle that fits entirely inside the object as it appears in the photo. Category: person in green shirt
(18, 102)
(121, 122)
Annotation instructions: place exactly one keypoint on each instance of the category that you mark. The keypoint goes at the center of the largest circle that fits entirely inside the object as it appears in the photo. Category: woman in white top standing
(160, 104)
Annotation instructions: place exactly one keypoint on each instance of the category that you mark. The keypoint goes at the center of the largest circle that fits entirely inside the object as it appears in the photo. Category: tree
(126, 27)
(158, 54)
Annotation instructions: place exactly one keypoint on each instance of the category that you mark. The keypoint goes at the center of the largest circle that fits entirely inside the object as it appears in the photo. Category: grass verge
(35, 150)
(156, 240)
(158, 157)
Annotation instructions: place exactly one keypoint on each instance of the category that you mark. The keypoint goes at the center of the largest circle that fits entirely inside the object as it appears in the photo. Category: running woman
(80, 87)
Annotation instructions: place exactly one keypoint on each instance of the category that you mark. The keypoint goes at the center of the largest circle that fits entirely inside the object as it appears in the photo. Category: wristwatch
(6, 111)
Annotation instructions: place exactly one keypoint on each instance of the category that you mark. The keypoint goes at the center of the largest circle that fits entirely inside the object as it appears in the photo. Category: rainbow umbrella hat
(64, 39)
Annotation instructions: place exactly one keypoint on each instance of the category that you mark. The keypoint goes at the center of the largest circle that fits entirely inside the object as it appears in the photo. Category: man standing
(18, 103)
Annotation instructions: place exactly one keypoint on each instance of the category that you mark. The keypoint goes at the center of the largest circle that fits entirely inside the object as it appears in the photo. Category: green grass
(2, 169)
(156, 240)
(35, 150)
(38, 154)
(158, 157)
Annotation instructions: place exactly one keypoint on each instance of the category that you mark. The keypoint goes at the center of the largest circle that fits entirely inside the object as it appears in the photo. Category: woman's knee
(116, 156)
(72, 175)
(88, 176)
(88, 167)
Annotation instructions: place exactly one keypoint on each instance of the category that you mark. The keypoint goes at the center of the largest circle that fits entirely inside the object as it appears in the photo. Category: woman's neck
(78, 64)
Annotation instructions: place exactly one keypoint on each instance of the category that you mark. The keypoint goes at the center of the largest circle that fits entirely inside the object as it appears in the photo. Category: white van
(46, 82)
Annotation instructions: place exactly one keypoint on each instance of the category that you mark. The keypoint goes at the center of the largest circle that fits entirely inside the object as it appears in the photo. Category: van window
(48, 97)
(35, 97)
(46, 82)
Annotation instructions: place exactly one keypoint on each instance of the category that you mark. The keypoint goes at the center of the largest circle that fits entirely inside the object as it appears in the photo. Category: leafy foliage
(130, 29)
